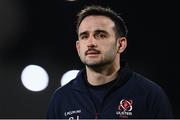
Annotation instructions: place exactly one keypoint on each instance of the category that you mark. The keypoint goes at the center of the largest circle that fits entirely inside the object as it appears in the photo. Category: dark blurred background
(42, 32)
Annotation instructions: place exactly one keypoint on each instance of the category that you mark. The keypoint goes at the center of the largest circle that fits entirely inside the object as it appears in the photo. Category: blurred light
(34, 78)
(68, 76)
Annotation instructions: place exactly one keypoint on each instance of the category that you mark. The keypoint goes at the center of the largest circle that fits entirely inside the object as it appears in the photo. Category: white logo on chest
(72, 112)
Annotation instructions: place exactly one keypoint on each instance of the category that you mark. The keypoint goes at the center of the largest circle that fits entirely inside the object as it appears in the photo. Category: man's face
(97, 44)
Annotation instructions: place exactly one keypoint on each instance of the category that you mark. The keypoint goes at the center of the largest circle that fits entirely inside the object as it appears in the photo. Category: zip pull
(96, 117)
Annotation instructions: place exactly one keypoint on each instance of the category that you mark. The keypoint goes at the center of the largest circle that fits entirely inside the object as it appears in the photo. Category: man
(107, 88)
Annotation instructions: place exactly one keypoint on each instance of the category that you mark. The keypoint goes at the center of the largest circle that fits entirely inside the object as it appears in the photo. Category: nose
(91, 42)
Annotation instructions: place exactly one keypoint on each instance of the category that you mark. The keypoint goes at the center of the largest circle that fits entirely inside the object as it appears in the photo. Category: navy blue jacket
(131, 96)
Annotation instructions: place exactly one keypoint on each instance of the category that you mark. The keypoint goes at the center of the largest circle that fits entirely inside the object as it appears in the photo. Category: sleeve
(160, 104)
(51, 108)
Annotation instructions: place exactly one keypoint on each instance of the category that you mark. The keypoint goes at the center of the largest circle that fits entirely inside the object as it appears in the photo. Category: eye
(83, 37)
(100, 35)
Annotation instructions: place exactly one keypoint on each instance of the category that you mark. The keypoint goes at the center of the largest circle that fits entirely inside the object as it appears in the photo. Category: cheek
(79, 46)
(110, 52)
(81, 50)
(110, 48)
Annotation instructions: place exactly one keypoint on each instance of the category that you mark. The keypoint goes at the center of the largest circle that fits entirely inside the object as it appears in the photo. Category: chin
(97, 64)
(91, 64)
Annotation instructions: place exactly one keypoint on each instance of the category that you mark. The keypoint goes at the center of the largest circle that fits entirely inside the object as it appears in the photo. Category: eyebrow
(83, 33)
(99, 31)
(96, 31)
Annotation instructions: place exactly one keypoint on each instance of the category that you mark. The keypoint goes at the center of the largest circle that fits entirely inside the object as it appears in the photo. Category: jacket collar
(124, 75)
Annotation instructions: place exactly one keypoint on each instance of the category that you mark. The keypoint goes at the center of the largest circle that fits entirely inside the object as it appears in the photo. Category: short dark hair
(120, 26)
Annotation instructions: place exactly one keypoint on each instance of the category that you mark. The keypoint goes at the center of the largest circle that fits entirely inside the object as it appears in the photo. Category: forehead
(92, 23)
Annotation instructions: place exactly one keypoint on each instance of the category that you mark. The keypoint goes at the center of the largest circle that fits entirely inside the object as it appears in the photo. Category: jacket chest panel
(115, 106)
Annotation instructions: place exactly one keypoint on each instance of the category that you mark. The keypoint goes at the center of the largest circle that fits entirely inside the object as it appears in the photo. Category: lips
(92, 52)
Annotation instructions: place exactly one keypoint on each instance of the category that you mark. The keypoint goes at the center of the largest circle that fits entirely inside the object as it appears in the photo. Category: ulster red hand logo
(125, 108)
(125, 105)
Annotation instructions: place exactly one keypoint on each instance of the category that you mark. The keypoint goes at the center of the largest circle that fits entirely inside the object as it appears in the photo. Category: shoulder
(60, 99)
(60, 91)
(67, 90)
(142, 84)
(157, 100)
(154, 93)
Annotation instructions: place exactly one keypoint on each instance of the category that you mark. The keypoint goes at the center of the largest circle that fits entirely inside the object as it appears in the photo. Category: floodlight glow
(34, 78)
(68, 76)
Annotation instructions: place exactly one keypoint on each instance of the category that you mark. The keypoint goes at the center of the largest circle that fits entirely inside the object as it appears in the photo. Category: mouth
(92, 52)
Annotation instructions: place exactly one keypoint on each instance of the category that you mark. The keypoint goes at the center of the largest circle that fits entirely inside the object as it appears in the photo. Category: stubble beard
(98, 63)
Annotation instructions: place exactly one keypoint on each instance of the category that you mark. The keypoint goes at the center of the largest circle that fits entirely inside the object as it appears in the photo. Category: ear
(77, 46)
(122, 44)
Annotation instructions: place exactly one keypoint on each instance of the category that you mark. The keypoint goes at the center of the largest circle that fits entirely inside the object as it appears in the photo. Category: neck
(102, 75)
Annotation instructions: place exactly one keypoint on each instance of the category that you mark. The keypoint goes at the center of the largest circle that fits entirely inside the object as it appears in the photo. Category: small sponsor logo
(125, 108)
(68, 113)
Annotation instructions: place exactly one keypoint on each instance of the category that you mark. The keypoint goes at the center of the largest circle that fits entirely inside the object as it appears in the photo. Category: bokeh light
(34, 78)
